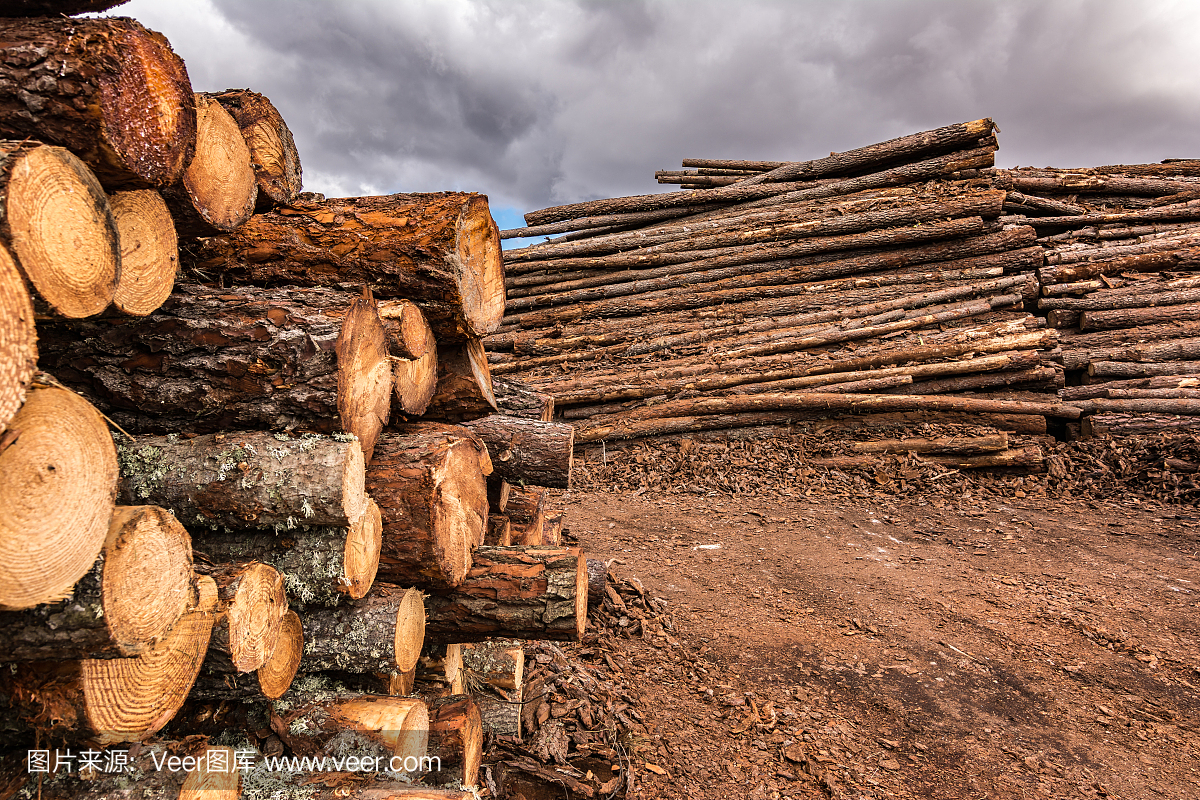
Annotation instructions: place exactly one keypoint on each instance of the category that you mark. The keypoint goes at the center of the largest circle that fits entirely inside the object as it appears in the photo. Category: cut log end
(254, 614)
(482, 277)
(410, 630)
(218, 189)
(149, 251)
(57, 483)
(408, 332)
(273, 153)
(414, 380)
(62, 231)
(361, 558)
(18, 339)
(364, 374)
(276, 676)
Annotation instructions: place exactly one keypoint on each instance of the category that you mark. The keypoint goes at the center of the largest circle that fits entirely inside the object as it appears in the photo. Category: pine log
(137, 589)
(499, 491)
(1062, 318)
(1108, 370)
(442, 251)
(117, 699)
(1022, 457)
(1170, 350)
(270, 681)
(246, 479)
(1042, 377)
(192, 769)
(455, 740)
(273, 154)
(499, 712)
(1189, 210)
(1167, 382)
(225, 359)
(109, 90)
(597, 570)
(513, 398)
(1068, 183)
(497, 663)
(252, 607)
(1118, 337)
(464, 382)
(1105, 301)
(552, 530)
(526, 512)
(58, 228)
(414, 356)
(1137, 317)
(1174, 406)
(362, 355)
(370, 726)
(527, 450)
(58, 478)
(1151, 394)
(149, 251)
(217, 191)
(18, 340)
(320, 566)
(1171, 255)
(1042, 204)
(636, 218)
(1137, 424)
(439, 672)
(516, 592)
(383, 632)
(958, 445)
(429, 482)
(499, 532)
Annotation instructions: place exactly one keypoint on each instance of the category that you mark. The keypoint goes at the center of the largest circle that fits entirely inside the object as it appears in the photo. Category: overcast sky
(541, 102)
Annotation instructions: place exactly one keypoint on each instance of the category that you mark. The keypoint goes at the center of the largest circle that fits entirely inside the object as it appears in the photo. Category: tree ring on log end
(149, 251)
(410, 630)
(63, 233)
(57, 483)
(581, 590)
(18, 339)
(276, 676)
(360, 560)
(354, 493)
(255, 616)
(482, 275)
(220, 180)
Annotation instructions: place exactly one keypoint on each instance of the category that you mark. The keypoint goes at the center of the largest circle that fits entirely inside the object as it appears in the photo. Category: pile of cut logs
(898, 283)
(284, 484)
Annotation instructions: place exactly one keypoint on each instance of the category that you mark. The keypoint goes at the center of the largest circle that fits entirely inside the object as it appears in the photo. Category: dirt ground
(912, 648)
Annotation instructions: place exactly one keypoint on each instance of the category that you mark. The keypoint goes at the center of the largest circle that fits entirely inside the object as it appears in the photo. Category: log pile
(253, 499)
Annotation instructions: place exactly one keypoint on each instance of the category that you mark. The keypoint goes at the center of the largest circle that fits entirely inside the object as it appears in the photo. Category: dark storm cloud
(544, 101)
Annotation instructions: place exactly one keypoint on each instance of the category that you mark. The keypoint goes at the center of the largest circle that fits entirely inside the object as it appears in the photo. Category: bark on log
(636, 218)
(1095, 184)
(1043, 377)
(18, 340)
(439, 672)
(429, 482)
(464, 382)
(117, 699)
(455, 740)
(246, 479)
(497, 663)
(223, 359)
(1145, 406)
(1137, 424)
(442, 251)
(526, 512)
(597, 571)
(526, 450)
(273, 154)
(109, 90)
(381, 633)
(1119, 370)
(515, 592)
(1126, 336)
(58, 228)
(499, 532)
(320, 566)
(191, 769)
(1022, 457)
(552, 530)
(363, 725)
(499, 712)
(959, 445)
(1168, 382)
(149, 251)
(1189, 210)
(1171, 350)
(252, 607)
(138, 588)
(58, 478)
(1137, 317)
(413, 349)
(217, 191)
(1152, 394)
(1106, 301)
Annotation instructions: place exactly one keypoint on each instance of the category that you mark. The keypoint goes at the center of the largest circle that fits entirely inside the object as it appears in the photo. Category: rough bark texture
(382, 632)
(527, 450)
(515, 592)
(108, 90)
(1136, 317)
(149, 251)
(18, 339)
(360, 725)
(246, 479)
(216, 359)
(136, 591)
(497, 663)
(429, 482)
(526, 512)
(273, 154)
(1137, 424)
(58, 478)
(456, 739)
(442, 251)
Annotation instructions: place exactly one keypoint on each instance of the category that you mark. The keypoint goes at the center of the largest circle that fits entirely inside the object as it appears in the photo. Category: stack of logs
(284, 484)
(883, 287)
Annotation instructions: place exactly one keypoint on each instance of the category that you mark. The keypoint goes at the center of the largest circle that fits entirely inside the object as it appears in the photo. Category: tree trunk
(217, 191)
(1137, 317)
(109, 90)
(225, 359)
(273, 154)
(961, 445)
(18, 341)
(1125, 336)
(320, 566)
(1189, 210)
(429, 482)
(246, 479)
(499, 712)
(118, 699)
(59, 228)
(455, 740)
(414, 353)
(370, 726)
(439, 672)
(137, 589)
(382, 632)
(1168, 382)
(515, 592)
(252, 607)
(527, 450)
(464, 383)
(1152, 394)
(1137, 424)
(597, 570)
(1094, 184)
(1144, 406)
(1043, 377)
(149, 251)
(1106, 301)
(441, 251)
(58, 477)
